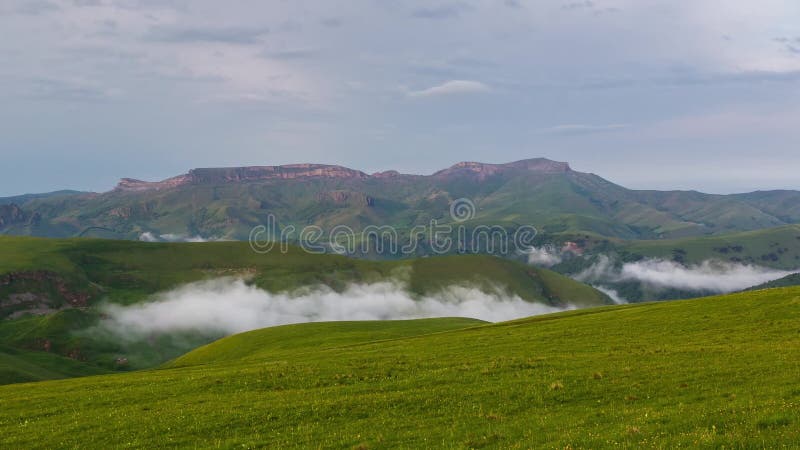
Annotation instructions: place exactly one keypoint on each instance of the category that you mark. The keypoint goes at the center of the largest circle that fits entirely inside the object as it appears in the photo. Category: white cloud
(227, 306)
(173, 237)
(710, 275)
(544, 256)
(452, 87)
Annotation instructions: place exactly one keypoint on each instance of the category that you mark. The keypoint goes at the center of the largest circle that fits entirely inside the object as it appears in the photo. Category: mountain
(226, 203)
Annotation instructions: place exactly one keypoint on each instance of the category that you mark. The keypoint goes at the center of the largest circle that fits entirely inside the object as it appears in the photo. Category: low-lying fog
(657, 274)
(711, 275)
(227, 306)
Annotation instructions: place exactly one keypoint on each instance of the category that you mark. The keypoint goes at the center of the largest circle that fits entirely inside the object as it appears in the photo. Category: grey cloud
(602, 11)
(789, 44)
(331, 22)
(291, 54)
(87, 2)
(65, 90)
(588, 4)
(36, 7)
(692, 78)
(229, 35)
(446, 11)
(578, 129)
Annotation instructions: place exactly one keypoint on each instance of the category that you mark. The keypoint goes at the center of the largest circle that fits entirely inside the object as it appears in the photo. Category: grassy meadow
(717, 372)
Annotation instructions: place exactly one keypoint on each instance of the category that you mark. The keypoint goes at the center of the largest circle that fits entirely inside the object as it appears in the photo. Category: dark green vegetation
(50, 289)
(787, 281)
(227, 203)
(712, 372)
(777, 247)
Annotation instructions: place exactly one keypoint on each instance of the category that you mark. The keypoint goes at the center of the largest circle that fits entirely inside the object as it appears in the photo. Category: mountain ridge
(226, 203)
(207, 175)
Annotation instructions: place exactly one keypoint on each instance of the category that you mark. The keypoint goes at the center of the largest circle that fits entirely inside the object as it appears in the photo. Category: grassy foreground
(713, 372)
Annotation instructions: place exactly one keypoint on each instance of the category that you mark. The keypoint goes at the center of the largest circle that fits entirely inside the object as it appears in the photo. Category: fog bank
(227, 306)
(710, 275)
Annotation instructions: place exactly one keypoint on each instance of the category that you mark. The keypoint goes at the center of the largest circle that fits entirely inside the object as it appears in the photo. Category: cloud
(590, 6)
(148, 237)
(36, 7)
(68, 90)
(612, 294)
(711, 275)
(587, 4)
(291, 54)
(331, 22)
(171, 237)
(791, 45)
(452, 87)
(230, 35)
(227, 306)
(576, 129)
(544, 256)
(446, 11)
(692, 78)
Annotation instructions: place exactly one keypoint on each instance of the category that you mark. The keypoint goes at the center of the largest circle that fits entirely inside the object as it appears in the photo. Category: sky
(650, 94)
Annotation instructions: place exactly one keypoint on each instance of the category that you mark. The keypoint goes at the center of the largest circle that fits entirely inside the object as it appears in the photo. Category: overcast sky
(671, 94)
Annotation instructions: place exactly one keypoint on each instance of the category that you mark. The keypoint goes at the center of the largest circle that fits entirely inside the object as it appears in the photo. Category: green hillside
(787, 281)
(51, 290)
(714, 372)
(774, 247)
(18, 366)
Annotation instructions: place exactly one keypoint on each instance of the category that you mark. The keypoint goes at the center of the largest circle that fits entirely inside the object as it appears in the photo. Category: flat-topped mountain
(305, 171)
(242, 174)
(228, 202)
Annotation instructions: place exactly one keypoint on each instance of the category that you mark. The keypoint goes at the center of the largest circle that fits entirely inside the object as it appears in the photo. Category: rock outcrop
(12, 214)
(29, 291)
(346, 198)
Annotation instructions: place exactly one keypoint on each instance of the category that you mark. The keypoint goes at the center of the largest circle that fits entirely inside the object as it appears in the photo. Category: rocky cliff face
(13, 214)
(242, 174)
(346, 198)
(133, 185)
(38, 292)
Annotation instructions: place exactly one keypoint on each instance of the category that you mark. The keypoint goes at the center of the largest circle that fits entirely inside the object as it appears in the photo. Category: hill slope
(229, 202)
(787, 281)
(710, 372)
(51, 290)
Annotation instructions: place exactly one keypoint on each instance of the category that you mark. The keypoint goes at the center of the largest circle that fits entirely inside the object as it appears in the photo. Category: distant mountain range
(225, 203)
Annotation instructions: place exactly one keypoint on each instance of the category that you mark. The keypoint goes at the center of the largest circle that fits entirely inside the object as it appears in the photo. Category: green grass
(714, 372)
(20, 366)
(290, 340)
